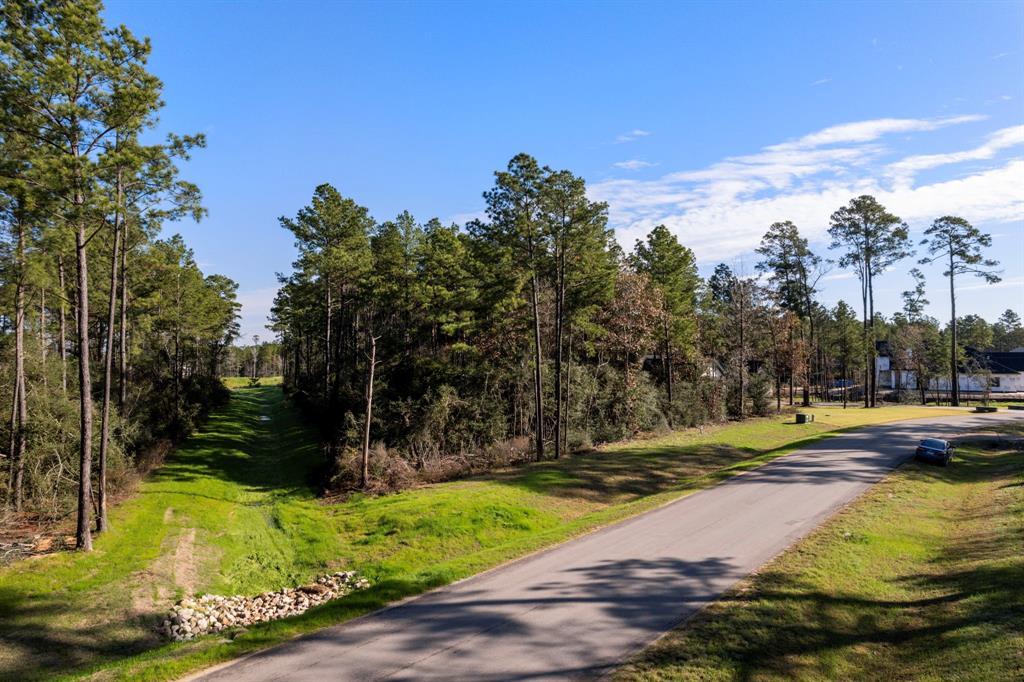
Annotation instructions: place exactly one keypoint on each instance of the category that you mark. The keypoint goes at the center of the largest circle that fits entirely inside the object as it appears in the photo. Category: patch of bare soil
(176, 568)
(185, 570)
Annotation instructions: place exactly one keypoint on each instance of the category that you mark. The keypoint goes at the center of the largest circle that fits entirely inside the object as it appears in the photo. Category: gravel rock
(193, 617)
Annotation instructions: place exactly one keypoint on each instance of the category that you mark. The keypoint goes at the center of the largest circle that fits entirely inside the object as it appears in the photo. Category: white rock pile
(195, 616)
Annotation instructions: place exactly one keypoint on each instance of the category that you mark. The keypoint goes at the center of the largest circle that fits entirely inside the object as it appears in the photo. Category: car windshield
(934, 444)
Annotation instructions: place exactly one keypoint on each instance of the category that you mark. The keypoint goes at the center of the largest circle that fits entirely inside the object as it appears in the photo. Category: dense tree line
(440, 348)
(533, 329)
(111, 338)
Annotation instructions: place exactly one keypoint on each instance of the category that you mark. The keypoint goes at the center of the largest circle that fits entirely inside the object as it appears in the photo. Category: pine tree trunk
(108, 371)
(84, 534)
(921, 385)
(872, 351)
(778, 376)
(568, 390)
(42, 332)
(743, 355)
(537, 369)
(19, 410)
(559, 312)
(868, 354)
(954, 379)
(805, 396)
(177, 348)
(11, 481)
(668, 366)
(327, 344)
(791, 364)
(122, 374)
(811, 352)
(62, 327)
(365, 473)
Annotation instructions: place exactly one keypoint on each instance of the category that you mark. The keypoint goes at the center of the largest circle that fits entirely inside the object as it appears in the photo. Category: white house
(1004, 372)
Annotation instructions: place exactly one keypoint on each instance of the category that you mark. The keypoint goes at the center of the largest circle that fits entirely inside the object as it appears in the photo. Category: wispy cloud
(1000, 98)
(722, 210)
(867, 131)
(821, 81)
(903, 171)
(632, 135)
(632, 164)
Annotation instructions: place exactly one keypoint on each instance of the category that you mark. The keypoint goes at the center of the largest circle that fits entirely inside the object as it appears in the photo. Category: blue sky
(716, 119)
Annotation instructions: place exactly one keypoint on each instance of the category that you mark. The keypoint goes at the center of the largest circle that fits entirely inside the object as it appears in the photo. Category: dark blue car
(935, 450)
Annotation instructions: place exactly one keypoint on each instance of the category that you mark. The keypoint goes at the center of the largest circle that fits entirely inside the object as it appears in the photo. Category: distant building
(1002, 371)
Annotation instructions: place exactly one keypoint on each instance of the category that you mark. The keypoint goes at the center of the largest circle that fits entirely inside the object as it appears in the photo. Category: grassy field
(921, 579)
(245, 382)
(232, 511)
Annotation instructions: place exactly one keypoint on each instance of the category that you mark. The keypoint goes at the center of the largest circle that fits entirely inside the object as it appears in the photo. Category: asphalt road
(576, 610)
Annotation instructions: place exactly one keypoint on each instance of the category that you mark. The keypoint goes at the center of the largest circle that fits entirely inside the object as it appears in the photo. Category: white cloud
(866, 131)
(632, 135)
(821, 81)
(722, 210)
(632, 164)
(903, 170)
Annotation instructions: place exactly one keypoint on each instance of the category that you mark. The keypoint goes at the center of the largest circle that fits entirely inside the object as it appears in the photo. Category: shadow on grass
(607, 476)
(38, 640)
(618, 475)
(611, 476)
(276, 457)
(783, 627)
(45, 633)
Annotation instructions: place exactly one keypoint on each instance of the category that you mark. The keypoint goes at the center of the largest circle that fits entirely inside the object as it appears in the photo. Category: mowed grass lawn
(233, 511)
(921, 579)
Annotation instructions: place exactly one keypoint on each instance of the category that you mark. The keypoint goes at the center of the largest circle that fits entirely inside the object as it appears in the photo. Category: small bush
(388, 471)
(697, 402)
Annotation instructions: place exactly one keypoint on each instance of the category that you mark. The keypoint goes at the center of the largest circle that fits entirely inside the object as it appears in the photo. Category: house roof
(1005, 363)
(1011, 362)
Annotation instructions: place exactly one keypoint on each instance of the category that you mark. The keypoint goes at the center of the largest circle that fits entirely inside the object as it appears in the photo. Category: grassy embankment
(921, 579)
(232, 511)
